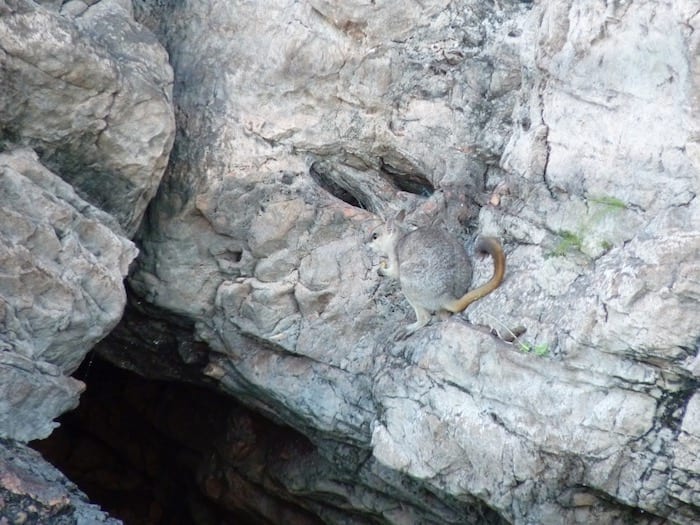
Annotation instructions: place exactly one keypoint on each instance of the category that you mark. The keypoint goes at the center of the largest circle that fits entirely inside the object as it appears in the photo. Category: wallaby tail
(493, 248)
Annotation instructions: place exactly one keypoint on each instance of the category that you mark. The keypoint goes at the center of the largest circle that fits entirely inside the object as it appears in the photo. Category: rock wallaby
(433, 269)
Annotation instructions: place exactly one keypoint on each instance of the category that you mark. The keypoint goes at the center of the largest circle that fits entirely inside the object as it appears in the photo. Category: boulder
(61, 291)
(90, 91)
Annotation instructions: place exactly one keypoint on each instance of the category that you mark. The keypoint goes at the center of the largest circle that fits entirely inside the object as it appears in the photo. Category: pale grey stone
(93, 96)
(568, 130)
(31, 398)
(61, 291)
(74, 8)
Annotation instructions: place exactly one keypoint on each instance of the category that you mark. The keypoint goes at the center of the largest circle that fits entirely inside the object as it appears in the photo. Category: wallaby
(433, 268)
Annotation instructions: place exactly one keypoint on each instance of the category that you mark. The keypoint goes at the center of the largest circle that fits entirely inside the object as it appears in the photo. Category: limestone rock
(32, 491)
(61, 291)
(92, 95)
(568, 129)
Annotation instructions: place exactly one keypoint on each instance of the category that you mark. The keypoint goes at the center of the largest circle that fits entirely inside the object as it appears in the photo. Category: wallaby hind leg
(422, 319)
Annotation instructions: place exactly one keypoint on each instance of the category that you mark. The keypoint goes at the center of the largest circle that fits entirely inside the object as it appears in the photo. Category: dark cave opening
(145, 451)
(170, 449)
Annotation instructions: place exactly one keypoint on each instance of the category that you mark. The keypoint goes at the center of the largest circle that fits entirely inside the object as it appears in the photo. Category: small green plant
(611, 202)
(607, 205)
(568, 242)
(539, 350)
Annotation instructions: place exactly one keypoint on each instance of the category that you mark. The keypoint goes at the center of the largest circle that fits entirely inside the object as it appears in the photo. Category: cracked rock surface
(569, 130)
(90, 91)
(32, 491)
(61, 291)
(86, 126)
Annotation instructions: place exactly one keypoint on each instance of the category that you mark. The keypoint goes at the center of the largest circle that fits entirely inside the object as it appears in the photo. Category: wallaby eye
(375, 236)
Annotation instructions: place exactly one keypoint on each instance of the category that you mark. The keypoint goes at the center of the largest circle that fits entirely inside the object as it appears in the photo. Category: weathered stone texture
(93, 96)
(62, 266)
(32, 491)
(84, 100)
(569, 130)
(61, 291)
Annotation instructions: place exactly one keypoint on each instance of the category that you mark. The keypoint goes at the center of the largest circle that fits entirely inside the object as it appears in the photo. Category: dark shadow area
(141, 449)
(409, 181)
(169, 449)
(335, 185)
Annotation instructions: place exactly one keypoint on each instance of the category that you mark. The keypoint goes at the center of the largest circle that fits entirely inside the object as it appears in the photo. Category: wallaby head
(384, 237)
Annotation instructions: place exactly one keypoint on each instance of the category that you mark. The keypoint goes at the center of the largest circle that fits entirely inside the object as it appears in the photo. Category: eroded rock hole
(367, 188)
(235, 255)
(337, 183)
(159, 452)
(408, 181)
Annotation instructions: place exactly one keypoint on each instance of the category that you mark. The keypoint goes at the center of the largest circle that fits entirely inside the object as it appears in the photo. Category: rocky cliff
(570, 130)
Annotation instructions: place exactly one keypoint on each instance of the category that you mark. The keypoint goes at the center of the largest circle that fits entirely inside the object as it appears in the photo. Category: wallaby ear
(393, 224)
(390, 226)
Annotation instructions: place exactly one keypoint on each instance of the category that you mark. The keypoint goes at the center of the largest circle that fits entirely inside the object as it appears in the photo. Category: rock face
(61, 291)
(569, 130)
(32, 491)
(89, 89)
(93, 103)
